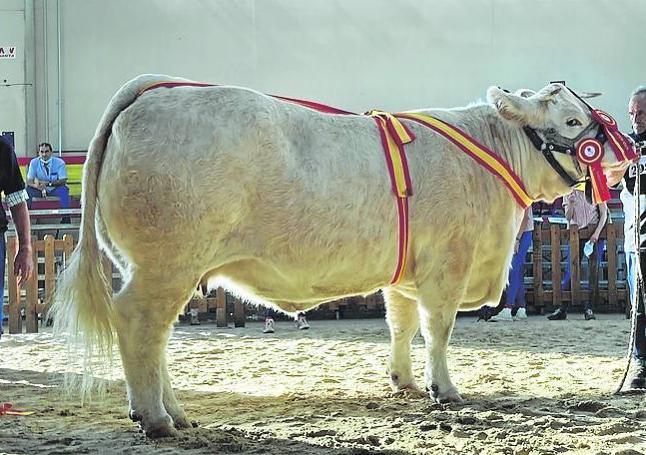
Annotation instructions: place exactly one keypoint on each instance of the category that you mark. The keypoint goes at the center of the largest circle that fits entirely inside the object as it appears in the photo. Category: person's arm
(32, 181)
(16, 198)
(603, 217)
(58, 182)
(23, 265)
(568, 206)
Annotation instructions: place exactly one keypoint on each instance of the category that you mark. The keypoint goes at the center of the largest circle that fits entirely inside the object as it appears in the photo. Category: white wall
(12, 72)
(353, 54)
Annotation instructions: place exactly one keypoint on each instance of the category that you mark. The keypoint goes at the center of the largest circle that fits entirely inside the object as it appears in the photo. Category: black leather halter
(548, 149)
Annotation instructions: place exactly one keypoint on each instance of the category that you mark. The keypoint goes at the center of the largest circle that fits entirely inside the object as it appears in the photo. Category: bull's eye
(573, 122)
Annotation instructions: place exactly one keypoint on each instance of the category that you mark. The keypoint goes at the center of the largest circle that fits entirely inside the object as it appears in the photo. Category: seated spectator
(47, 176)
(581, 213)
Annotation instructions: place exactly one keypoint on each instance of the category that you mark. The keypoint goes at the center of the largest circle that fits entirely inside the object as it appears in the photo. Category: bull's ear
(511, 106)
(548, 93)
(589, 94)
(524, 92)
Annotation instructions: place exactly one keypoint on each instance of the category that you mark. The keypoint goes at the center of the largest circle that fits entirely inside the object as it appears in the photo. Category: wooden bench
(42, 221)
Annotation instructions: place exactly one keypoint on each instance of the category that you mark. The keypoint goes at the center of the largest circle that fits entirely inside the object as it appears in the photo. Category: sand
(535, 387)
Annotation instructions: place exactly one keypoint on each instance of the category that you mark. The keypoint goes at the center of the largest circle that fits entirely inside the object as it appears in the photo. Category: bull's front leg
(437, 325)
(403, 321)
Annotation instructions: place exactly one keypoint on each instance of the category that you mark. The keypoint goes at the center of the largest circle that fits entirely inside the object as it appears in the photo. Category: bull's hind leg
(144, 312)
(403, 321)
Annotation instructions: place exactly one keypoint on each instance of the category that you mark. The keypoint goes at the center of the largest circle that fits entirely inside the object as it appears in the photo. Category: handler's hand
(23, 265)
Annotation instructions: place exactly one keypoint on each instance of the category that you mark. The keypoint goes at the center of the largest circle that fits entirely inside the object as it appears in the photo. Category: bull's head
(580, 143)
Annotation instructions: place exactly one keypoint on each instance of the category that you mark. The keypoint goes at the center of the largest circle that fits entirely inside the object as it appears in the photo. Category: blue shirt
(38, 170)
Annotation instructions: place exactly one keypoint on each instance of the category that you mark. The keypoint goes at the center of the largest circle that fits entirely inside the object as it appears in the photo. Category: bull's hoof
(182, 422)
(162, 431)
(135, 416)
(162, 428)
(409, 391)
(449, 396)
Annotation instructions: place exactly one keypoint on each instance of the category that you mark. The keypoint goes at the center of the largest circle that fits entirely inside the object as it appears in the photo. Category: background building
(70, 56)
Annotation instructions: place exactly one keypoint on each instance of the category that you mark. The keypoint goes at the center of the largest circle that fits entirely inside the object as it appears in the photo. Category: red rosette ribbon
(624, 151)
(590, 152)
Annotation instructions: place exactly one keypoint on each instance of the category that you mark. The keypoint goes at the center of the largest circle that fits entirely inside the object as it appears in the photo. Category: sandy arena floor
(535, 387)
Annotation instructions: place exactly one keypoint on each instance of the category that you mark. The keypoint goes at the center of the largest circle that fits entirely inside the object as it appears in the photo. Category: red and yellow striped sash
(394, 135)
(480, 153)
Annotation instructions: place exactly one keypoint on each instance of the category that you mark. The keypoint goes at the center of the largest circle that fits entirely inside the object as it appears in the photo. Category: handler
(13, 187)
(637, 113)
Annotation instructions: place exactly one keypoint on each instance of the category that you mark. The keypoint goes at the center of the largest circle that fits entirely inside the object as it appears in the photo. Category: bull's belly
(485, 286)
(293, 288)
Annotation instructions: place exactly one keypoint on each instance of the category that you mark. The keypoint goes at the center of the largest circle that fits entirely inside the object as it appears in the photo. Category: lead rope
(639, 282)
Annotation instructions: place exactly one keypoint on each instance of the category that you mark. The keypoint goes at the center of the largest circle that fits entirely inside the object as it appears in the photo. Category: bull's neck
(510, 143)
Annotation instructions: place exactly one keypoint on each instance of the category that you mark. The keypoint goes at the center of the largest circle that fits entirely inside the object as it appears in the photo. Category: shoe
(301, 322)
(195, 320)
(485, 313)
(503, 316)
(558, 315)
(589, 315)
(637, 375)
(269, 326)
(521, 314)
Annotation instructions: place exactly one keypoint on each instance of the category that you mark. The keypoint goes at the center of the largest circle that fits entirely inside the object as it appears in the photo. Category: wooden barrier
(371, 303)
(49, 250)
(218, 305)
(609, 294)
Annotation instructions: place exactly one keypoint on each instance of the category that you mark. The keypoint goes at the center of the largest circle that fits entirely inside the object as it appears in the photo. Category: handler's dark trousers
(640, 332)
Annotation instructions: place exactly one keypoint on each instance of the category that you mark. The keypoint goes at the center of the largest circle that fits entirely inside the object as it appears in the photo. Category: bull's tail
(82, 305)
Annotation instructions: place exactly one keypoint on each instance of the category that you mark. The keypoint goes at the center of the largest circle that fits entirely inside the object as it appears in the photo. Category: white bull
(294, 208)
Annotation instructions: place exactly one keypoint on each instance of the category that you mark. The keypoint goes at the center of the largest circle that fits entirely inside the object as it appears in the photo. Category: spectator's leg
(640, 332)
(514, 280)
(601, 246)
(63, 193)
(270, 314)
(2, 261)
(565, 282)
(523, 247)
(301, 321)
(593, 277)
(515, 283)
(630, 274)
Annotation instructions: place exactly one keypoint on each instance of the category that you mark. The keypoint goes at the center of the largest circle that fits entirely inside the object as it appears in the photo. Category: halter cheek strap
(548, 149)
